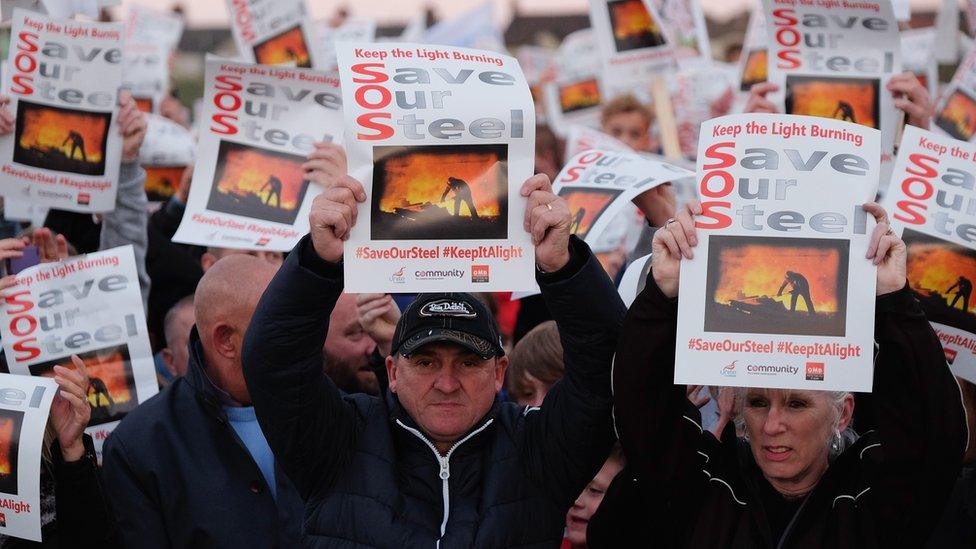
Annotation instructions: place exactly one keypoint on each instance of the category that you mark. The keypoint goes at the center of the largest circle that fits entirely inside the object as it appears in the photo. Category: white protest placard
(930, 203)
(632, 41)
(145, 74)
(834, 60)
(583, 138)
(917, 56)
(475, 28)
(167, 150)
(147, 26)
(538, 66)
(354, 29)
(779, 293)
(753, 63)
(442, 139)
(274, 32)
(260, 123)
(699, 93)
(576, 94)
(63, 84)
(634, 279)
(955, 113)
(18, 207)
(685, 23)
(24, 406)
(90, 306)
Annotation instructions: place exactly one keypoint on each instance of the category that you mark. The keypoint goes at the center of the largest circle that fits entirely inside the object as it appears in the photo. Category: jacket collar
(398, 414)
(208, 394)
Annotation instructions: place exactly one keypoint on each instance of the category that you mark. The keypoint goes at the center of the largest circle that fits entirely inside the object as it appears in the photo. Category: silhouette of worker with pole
(98, 386)
(577, 221)
(274, 189)
(799, 287)
(964, 288)
(77, 144)
(462, 193)
(846, 112)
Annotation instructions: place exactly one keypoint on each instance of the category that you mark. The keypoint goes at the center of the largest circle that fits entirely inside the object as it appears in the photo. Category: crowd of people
(295, 414)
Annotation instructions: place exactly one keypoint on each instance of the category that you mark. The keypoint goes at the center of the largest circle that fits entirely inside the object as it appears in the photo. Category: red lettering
(368, 121)
(725, 159)
(927, 171)
(26, 42)
(788, 59)
(927, 190)
(911, 216)
(720, 220)
(15, 325)
(222, 124)
(228, 82)
(364, 69)
(787, 36)
(30, 351)
(572, 174)
(23, 305)
(728, 184)
(21, 85)
(785, 16)
(385, 97)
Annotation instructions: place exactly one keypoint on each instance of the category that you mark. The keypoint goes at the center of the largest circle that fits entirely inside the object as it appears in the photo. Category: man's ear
(207, 260)
(391, 373)
(168, 362)
(501, 366)
(224, 341)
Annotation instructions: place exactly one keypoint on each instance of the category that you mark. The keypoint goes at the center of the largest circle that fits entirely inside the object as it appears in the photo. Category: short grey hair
(834, 398)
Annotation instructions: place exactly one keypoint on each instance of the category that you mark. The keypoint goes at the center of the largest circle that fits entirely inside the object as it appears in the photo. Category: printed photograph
(586, 206)
(10, 423)
(144, 104)
(60, 139)
(440, 192)
(958, 118)
(111, 384)
(162, 182)
(285, 48)
(848, 99)
(941, 274)
(766, 285)
(633, 27)
(755, 69)
(258, 183)
(577, 96)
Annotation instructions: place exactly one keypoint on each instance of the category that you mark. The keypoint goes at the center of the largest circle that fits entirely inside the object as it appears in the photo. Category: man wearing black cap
(437, 461)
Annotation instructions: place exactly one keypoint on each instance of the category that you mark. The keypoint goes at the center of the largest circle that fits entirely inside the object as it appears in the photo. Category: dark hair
(540, 354)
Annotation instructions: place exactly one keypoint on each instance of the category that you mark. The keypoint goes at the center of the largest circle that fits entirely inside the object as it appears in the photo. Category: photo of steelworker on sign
(794, 286)
(941, 274)
(849, 99)
(111, 385)
(577, 96)
(633, 27)
(440, 192)
(59, 139)
(586, 206)
(258, 183)
(284, 48)
(10, 423)
(756, 69)
(958, 118)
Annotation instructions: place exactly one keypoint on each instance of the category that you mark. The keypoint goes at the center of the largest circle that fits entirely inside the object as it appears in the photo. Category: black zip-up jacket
(886, 490)
(369, 476)
(177, 474)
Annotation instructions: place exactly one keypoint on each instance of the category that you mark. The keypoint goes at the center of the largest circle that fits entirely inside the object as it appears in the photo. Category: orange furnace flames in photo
(111, 369)
(591, 202)
(960, 111)
(631, 18)
(285, 48)
(758, 270)
(417, 178)
(247, 171)
(47, 129)
(937, 268)
(823, 99)
(6, 439)
(756, 67)
(580, 94)
(163, 180)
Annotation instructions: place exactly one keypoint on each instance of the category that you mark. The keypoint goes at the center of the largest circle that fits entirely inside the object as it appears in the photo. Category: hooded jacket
(177, 475)
(369, 475)
(888, 489)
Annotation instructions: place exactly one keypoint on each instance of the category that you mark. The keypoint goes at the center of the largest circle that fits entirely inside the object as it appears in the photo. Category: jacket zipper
(445, 463)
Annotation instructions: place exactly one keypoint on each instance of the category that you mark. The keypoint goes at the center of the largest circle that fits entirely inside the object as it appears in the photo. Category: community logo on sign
(815, 371)
(480, 273)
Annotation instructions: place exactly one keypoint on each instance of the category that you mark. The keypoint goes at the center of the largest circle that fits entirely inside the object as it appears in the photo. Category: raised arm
(302, 413)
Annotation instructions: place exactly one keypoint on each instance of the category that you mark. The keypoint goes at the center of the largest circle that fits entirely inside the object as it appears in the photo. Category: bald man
(190, 467)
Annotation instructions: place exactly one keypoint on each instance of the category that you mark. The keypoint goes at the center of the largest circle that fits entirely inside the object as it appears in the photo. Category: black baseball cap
(452, 317)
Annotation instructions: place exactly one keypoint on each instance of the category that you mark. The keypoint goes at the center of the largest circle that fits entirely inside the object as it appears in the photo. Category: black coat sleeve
(134, 501)
(300, 410)
(84, 516)
(569, 438)
(920, 422)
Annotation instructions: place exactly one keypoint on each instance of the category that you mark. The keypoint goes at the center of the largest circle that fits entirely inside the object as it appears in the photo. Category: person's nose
(774, 423)
(447, 381)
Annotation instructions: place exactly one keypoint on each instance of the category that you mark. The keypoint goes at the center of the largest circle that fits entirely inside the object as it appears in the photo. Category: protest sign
(634, 279)
(145, 74)
(24, 406)
(63, 84)
(582, 138)
(931, 207)
(779, 293)
(699, 93)
(89, 306)
(538, 66)
(955, 113)
(576, 94)
(354, 29)
(274, 32)
(442, 139)
(20, 208)
(917, 57)
(753, 62)
(631, 39)
(260, 123)
(834, 60)
(165, 153)
(147, 26)
(685, 23)
(475, 28)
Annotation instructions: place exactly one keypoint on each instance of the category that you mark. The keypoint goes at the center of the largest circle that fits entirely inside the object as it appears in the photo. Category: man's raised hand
(547, 218)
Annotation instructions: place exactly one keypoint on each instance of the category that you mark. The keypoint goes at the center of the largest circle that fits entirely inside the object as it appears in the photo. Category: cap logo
(446, 307)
